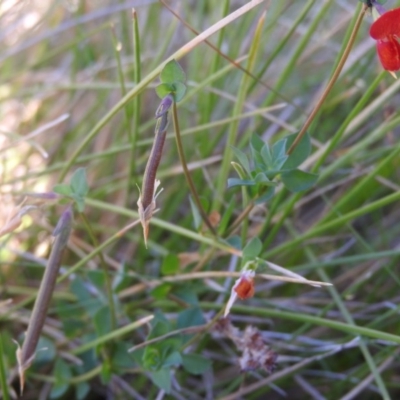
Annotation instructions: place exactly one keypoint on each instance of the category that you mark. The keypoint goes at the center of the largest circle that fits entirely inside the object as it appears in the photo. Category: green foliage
(297, 180)
(77, 189)
(195, 364)
(173, 80)
(81, 390)
(170, 264)
(3, 380)
(158, 358)
(62, 373)
(102, 321)
(74, 97)
(253, 248)
(269, 163)
(190, 317)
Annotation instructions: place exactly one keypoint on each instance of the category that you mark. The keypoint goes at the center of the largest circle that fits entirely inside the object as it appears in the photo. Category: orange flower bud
(245, 288)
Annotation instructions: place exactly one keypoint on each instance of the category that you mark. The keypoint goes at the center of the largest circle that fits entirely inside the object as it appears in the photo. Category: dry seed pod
(147, 200)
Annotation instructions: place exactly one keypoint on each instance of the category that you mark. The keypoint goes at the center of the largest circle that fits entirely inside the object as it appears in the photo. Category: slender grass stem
(151, 76)
(300, 317)
(137, 76)
(332, 81)
(3, 377)
(186, 171)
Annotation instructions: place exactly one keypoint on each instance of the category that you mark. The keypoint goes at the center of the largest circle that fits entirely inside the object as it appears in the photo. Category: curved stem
(187, 173)
(332, 80)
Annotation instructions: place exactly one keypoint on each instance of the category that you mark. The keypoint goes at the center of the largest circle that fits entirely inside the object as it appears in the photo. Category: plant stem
(185, 49)
(187, 172)
(137, 75)
(3, 377)
(331, 82)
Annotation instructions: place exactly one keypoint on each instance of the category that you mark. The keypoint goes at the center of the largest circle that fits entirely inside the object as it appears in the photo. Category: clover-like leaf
(79, 185)
(172, 72)
(267, 156)
(164, 89)
(279, 155)
(63, 189)
(300, 152)
(179, 91)
(162, 378)
(268, 194)
(195, 364)
(256, 143)
(297, 180)
(252, 248)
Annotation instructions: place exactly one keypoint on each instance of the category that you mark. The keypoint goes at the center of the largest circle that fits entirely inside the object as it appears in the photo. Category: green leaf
(267, 156)
(172, 72)
(173, 360)
(226, 216)
(58, 390)
(79, 185)
(121, 357)
(235, 241)
(105, 373)
(300, 153)
(242, 158)
(80, 202)
(160, 326)
(195, 364)
(266, 196)
(252, 248)
(195, 213)
(102, 321)
(164, 89)
(279, 149)
(63, 189)
(45, 357)
(262, 180)
(179, 91)
(188, 294)
(190, 317)
(161, 292)
(232, 182)
(162, 379)
(62, 374)
(256, 143)
(279, 154)
(85, 299)
(170, 264)
(151, 358)
(121, 279)
(81, 390)
(98, 278)
(297, 180)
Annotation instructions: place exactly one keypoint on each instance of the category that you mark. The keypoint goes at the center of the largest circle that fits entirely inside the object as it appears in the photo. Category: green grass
(100, 66)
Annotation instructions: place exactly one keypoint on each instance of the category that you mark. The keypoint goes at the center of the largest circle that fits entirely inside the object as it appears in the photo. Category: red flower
(386, 31)
(245, 288)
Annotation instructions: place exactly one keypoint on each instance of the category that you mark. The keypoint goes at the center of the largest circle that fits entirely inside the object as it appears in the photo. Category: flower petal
(389, 54)
(386, 25)
(245, 288)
